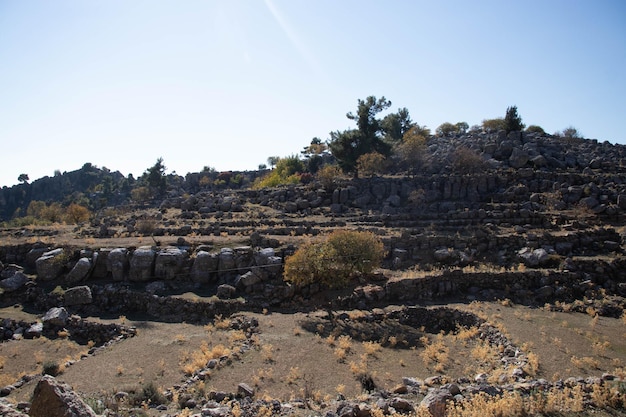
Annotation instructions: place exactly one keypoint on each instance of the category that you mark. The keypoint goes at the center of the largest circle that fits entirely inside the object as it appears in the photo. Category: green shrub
(147, 394)
(535, 129)
(335, 261)
(51, 368)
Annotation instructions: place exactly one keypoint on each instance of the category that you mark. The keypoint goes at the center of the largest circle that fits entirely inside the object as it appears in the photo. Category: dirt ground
(287, 361)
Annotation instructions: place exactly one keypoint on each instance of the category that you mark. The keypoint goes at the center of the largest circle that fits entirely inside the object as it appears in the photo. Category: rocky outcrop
(52, 398)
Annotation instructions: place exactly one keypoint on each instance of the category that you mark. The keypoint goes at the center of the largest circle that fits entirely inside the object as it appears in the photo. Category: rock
(77, 295)
(204, 267)
(141, 264)
(518, 158)
(401, 404)
(55, 399)
(249, 279)
(117, 263)
(34, 331)
(245, 390)
(169, 263)
(14, 283)
(534, 258)
(79, 272)
(7, 411)
(226, 291)
(56, 316)
(7, 271)
(50, 264)
(435, 401)
(227, 264)
(432, 381)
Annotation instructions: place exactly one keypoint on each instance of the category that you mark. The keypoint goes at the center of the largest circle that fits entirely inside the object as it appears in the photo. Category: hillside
(504, 274)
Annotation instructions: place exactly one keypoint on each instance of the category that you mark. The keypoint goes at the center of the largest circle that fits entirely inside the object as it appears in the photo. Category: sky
(228, 83)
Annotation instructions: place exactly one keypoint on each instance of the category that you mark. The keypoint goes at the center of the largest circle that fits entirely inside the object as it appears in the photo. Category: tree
(155, 177)
(272, 161)
(75, 213)
(395, 125)
(348, 145)
(314, 155)
(512, 120)
(23, 178)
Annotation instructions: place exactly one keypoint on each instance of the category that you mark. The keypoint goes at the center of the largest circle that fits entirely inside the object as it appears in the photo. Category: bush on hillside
(344, 255)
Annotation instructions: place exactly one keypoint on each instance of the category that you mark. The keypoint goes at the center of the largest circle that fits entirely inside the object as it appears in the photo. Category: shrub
(494, 125)
(535, 129)
(371, 163)
(411, 150)
(75, 213)
(466, 160)
(286, 172)
(51, 368)
(334, 262)
(327, 176)
(148, 394)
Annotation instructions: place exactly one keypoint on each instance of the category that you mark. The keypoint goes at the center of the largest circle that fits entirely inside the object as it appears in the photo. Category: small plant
(267, 353)
(51, 368)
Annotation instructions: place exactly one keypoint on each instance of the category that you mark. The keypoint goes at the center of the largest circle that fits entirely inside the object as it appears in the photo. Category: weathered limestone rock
(169, 263)
(35, 330)
(226, 291)
(141, 264)
(77, 295)
(7, 411)
(55, 399)
(245, 390)
(7, 271)
(14, 282)
(50, 264)
(117, 263)
(80, 271)
(435, 402)
(204, 267)
(56, 316)
(534, 258)
(226, 265)
(518, 158)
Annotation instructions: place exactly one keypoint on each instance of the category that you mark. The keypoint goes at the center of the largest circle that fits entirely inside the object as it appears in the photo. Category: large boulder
(80, 271)
(518, 158)
(435, 401)
(227, 265)
(52, 398)
(169, 263)
(77, 296)
(534, 258)
(204, 267)
(117, 263)
(56, 316)
(14, 282)
(50, 264)
(142, 264)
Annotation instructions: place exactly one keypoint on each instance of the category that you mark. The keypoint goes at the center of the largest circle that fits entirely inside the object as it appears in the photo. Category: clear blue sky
(227, 83)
